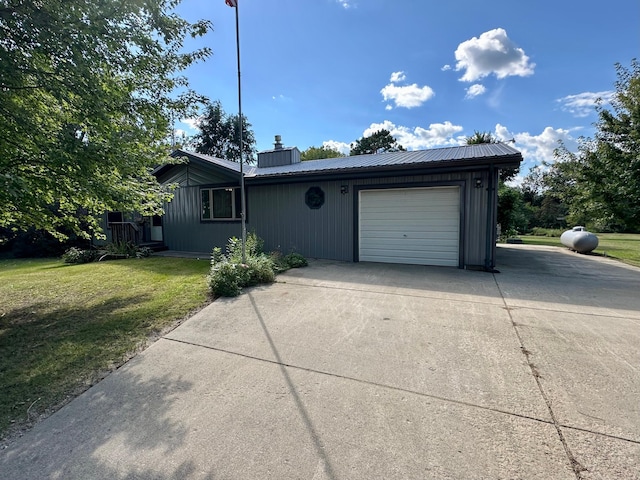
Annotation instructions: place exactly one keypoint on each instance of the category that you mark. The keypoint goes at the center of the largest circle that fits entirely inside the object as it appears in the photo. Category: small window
(114, 217)
(220, 203)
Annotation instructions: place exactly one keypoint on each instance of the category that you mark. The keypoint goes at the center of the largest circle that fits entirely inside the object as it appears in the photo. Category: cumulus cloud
(492, 53)
(407, 96)
(582, 104)
(418, 138)
(339, 146)
(445, 68)
(345, 3)
(475, 90)
(397, 77)
(537, 148)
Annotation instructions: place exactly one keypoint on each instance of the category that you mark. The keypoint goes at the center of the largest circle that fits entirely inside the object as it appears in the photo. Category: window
(220, 203)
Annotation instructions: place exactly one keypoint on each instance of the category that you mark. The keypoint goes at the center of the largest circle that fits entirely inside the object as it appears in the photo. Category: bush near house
(229, 274)
(76, 255)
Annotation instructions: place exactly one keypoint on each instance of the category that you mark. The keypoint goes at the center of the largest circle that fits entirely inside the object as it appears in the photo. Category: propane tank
(579, 239)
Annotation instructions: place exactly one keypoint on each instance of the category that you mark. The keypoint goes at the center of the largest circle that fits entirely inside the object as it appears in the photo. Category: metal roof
(460, 156)
(235, 166)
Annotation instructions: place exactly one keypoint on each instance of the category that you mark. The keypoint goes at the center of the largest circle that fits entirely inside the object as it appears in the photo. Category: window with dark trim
(220, 203)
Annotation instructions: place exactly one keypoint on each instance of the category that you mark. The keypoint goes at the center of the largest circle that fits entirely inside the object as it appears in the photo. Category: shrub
(546, 232)
(279, 263)
(144, 252)
(295, 260)
(224, 279)
(122, 248)
(76, 255)
(228, 275)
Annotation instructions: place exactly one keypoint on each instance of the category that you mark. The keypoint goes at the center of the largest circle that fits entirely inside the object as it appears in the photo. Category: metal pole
(242, 200)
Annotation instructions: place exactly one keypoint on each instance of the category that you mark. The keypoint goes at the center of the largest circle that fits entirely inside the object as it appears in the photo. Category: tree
(481, 137)
(378, 142)
(87, 91)
(601, 181)
(486, 137)
(513, 215)
(219, 135)
(317, 153)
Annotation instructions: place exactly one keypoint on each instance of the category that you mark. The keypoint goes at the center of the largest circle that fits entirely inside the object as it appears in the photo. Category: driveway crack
(576, 466)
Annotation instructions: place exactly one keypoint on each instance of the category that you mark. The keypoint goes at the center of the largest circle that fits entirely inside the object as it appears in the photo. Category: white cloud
(345, 3)
(339, 146)
(537, 148)
(407, 96)
(397, 77)
(445, 68)
(419, 138)
(582, 104)
(475, 90)
(493, 52)
(192, 123)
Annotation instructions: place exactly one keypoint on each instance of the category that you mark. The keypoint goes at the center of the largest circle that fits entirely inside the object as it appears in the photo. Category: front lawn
(621, 246)
(63, 327)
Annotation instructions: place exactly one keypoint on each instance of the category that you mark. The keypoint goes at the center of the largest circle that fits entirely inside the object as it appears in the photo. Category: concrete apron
(347, 371)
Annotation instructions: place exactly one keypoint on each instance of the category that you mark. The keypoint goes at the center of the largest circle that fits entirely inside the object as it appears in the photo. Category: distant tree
(513, 214)
(378, 142)
(87, 93)
(486, 137)
(317, 153)
(480, 137)
(600, 183)
(219, 135)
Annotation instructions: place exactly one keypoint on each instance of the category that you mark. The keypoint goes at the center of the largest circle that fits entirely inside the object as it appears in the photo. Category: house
(428, 207)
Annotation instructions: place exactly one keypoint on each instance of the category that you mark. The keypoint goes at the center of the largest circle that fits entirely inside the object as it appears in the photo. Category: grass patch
(62, 327)
(621, 246)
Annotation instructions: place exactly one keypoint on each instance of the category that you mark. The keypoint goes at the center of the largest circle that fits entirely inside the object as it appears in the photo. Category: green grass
(62, 327)
(621, 246)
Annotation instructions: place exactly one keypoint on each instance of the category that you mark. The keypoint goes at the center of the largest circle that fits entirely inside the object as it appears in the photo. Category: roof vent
(278, 144)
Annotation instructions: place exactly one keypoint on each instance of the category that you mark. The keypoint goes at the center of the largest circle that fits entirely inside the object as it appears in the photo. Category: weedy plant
(229, 275)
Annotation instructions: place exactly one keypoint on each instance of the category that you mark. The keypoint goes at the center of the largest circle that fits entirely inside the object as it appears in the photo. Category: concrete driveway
(362, 371)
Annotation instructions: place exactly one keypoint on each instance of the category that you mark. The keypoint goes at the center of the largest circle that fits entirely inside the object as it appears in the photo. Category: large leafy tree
(601, 181)
(87, 93)
(317, 153)
(378, 142)
(219, 135)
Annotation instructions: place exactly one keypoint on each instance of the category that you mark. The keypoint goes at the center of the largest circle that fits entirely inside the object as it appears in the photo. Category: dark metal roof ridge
(228, 164)
(430, 159)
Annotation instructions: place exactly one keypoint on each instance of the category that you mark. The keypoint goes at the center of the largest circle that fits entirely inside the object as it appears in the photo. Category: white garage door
(410, 225)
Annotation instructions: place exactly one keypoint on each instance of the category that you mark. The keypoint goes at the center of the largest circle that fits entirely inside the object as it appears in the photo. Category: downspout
(490, 237)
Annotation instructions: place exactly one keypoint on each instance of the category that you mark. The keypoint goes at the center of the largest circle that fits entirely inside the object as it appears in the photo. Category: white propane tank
(579, 239)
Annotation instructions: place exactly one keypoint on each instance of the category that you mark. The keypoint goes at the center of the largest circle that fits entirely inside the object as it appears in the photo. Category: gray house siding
(279, 215)
(183, 229)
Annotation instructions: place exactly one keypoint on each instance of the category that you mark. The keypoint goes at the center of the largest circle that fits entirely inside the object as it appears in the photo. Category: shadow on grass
(48, 355)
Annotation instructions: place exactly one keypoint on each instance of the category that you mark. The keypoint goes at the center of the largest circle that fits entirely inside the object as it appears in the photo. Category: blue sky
(327, 72)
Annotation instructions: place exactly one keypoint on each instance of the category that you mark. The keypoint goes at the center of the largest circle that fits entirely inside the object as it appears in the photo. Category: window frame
(235, 204)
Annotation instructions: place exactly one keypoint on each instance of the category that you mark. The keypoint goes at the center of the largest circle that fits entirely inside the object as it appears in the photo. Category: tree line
(597, 186)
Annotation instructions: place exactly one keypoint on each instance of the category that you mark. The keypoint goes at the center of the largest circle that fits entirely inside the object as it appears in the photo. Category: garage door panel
(387, 236)
(411, 225)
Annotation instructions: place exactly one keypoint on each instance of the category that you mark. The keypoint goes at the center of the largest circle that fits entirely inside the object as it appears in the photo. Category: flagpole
(242, 200)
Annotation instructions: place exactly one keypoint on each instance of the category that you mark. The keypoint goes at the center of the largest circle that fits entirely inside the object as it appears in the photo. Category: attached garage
(410, 225)
(425, 207)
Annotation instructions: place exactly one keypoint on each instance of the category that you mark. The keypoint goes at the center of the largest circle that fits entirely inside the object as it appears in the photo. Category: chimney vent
(278, 144)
